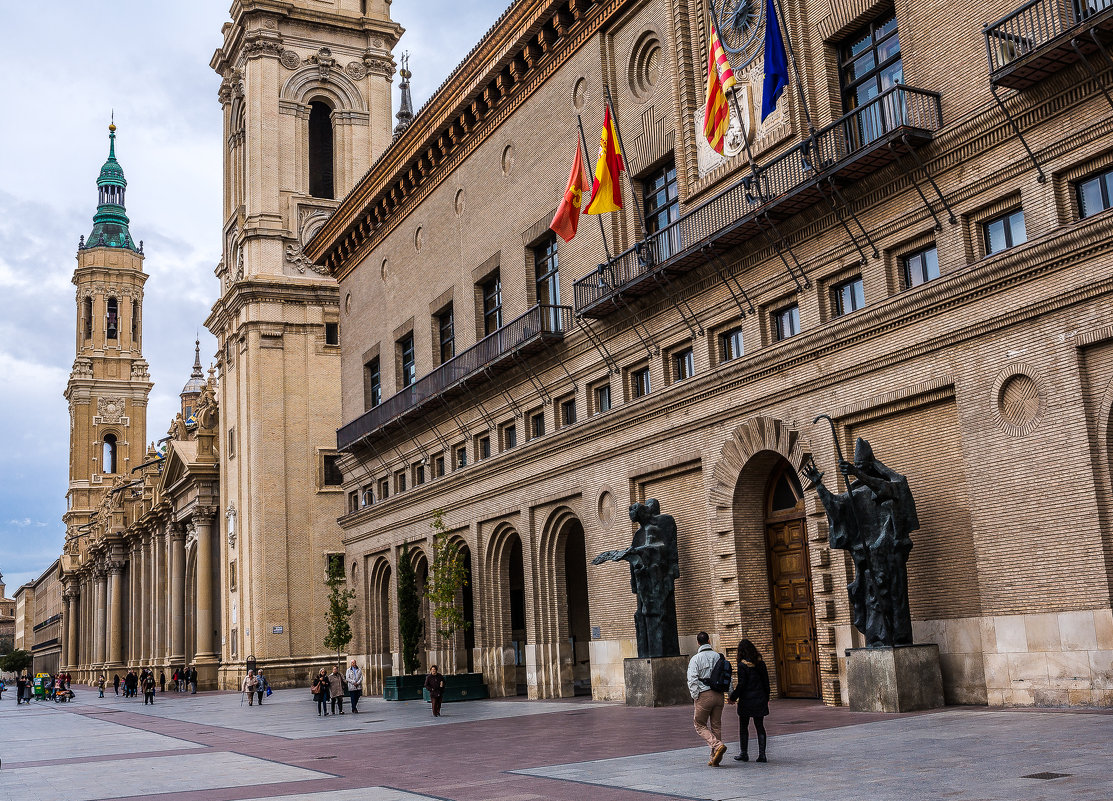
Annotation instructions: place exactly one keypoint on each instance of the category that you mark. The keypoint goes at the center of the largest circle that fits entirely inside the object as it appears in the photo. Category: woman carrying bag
(320, 693)
(752, 696)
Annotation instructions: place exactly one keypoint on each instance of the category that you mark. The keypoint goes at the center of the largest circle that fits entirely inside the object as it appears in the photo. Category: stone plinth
(656, 681)
(902, 678)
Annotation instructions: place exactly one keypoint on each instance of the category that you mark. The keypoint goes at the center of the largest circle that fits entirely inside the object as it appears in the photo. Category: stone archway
(380, 660)
(564, 663)
(505, 622)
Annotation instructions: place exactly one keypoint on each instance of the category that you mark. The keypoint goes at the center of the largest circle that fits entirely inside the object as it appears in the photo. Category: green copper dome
(110, 224)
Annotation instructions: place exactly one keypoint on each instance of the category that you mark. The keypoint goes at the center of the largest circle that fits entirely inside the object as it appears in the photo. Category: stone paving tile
(46, 731)
(359, 794)
(966, 754)
(144, 776)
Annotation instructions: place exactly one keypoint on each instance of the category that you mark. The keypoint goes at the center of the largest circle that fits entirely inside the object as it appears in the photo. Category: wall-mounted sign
(277, 629)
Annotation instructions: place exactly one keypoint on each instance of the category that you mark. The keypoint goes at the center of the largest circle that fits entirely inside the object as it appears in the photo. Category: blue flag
(776, 62)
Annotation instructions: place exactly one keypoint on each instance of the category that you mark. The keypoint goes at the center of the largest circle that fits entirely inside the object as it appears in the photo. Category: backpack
(719, 681)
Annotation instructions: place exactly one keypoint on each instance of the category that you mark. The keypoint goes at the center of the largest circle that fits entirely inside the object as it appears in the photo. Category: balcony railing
(852, 146)
(1035, 40)
(535, 328)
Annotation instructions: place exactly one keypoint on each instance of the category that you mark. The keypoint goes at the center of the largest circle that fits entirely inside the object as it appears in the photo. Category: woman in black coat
(752, 696)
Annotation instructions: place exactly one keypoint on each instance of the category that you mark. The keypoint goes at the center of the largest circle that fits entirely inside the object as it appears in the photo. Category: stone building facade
(305, 89)
(925, 259)
(7, 619)
(38, 620)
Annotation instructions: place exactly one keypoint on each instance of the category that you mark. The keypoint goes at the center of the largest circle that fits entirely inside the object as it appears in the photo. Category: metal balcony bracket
(1090, 67)
(553, 354)
(780, 245)
(501, 388)
(1016, 129)
(942, 198)
(919, 191)
(533, 377)
(1101, 47)
(651, 347)
(680, 304)
(413, 439)
(853, 216)
(463, 429)
(842, 221)
(440, 438)
(598, 344)
(715, 260)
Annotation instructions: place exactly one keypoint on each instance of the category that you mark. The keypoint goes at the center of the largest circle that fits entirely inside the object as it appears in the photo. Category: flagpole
(733, 95)
(599, 217)
(626, 161)
(795, 69)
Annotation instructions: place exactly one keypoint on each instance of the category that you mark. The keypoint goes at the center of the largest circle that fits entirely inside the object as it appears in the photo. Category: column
(115, 613)
(72, 613)
(156, 596)
(203, 522)
(133, 602)
(101, 617)
(66, 621)
(177, 595)
(142, 607)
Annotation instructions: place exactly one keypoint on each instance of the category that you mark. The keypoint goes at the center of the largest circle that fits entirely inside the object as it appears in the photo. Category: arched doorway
(790, 585)
(576, 598)
(428, 625)
(381, 658)
(467, 601)
(516, 584)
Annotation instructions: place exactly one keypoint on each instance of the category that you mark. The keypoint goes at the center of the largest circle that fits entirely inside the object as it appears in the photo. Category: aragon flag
(720, 78)
(567, 216)
(606, 195)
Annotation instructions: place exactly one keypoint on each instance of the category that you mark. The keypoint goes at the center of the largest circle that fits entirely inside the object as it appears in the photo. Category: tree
(16, 661)
(447, 576)
(410, 624)
(339, 615)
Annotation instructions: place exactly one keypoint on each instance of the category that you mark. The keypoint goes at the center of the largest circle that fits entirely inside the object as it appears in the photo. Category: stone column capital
(114, 567)
(203, 515)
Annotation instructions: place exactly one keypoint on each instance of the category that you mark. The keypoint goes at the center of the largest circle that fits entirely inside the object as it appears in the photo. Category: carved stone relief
(110, 410)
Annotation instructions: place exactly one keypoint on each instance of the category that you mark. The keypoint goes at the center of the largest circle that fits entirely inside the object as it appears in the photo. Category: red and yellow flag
(606, 194)
(567, 216)
(720, 78)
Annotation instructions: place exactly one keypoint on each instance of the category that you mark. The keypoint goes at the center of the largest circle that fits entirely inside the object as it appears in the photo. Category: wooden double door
(793, 609)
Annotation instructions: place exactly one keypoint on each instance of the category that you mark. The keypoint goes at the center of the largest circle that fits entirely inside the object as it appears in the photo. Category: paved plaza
(208, 746)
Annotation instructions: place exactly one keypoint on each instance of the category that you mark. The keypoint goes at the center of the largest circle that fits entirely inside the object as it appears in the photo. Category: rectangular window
(368, 494)
(87, 313)
(492, 304)
(406, 354)
(111, 319)
(683, 364)
(1004, 232)
(786, 322)
(537, 424)
(232, 442)
(332, 333)
(847, 296)
(545, 271)
(446, 334)
(483, 447)
(870, 63)
(135, 321)
(921, 267)
(334, 564)
(639, 382)
(601, 398)
(568, 412)
(438, 466)
(400, 481)
(332, 475)
(509, 437)
(372, 384)
(730, 345)
(353, 501)
(418, 474)
(384, 488)
(662, 207)
(1095, 194)
(460, 453)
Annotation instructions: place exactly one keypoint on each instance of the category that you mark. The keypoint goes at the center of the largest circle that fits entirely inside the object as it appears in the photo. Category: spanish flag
(720, 78)
(567, 216)
(606, 194)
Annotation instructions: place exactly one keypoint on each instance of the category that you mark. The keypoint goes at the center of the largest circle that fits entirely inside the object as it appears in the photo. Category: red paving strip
(471, 760)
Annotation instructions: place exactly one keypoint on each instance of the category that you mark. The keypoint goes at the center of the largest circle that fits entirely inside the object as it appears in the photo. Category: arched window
(108, 458)
(112, 319)
(320, 150)
(87, 318)
(134, 322)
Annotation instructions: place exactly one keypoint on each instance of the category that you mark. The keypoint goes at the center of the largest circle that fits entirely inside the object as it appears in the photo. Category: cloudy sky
(150, 62)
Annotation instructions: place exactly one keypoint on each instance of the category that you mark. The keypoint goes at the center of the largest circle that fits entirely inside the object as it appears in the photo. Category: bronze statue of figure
(654, 568)
(873, 520)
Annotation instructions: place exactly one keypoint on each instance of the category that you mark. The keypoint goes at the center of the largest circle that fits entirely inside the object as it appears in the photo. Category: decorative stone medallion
(1019, 395)
(606, 508)
(110, 410)
(290, 60)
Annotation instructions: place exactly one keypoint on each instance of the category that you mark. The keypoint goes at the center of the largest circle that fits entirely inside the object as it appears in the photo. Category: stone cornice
(279, 289)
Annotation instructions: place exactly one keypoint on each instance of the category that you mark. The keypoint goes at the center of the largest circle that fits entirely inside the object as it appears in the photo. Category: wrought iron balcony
(534, 330)
(853, 146)
(1044, 36)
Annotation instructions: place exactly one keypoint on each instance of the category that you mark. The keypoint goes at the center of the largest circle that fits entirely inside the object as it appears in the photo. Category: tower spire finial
(405, 113)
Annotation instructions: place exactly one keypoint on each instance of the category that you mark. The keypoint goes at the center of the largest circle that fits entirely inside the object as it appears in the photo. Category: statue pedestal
(656, 681)
(900, 678)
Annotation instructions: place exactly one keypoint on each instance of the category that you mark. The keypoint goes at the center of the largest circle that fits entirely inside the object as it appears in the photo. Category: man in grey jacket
(354, 677)
(708, 717)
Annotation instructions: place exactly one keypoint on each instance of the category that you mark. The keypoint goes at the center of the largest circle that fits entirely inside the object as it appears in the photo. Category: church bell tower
(109, 384)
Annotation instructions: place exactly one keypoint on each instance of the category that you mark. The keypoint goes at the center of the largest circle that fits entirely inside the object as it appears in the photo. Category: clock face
(739, 23)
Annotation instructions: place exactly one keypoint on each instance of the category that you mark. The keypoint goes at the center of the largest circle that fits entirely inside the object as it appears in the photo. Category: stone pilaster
(100, 627)
(177, 595)
(115, 613)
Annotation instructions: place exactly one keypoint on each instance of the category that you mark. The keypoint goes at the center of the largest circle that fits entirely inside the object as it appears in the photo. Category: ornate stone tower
(108, 387)
(306, 99)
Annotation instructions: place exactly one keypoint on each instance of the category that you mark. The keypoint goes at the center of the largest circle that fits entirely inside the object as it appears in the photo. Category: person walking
(249, 685)
(261, 686)
(162, 681)
(336, 689)
(20, 688)
(320, 693)
(191, 679)
(116, 683)
(102, 680)
(752, 696)
(434, 683)
(149, 689)
(354, 678)
(708, 714)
